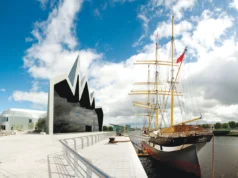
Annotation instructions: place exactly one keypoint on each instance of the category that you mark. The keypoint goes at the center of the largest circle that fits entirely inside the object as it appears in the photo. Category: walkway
(118, 159)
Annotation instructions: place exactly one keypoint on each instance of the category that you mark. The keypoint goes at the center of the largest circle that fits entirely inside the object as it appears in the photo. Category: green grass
(233, 134)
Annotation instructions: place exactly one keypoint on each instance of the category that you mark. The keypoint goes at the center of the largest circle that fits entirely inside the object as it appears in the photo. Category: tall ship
(167, 140)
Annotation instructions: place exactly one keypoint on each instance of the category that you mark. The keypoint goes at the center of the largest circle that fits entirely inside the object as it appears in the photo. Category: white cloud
(3, 90)
(234, 4)
(139, 42)
(211, 73)
(40, 98)
(97, 13)
(212, 90)
(145, 21)
(28, 39)
(35, 86)
(55, 49)
(122, 1)
(156, 8)
(181, 6)
(43, 3)
(164, 29)
(210, 29)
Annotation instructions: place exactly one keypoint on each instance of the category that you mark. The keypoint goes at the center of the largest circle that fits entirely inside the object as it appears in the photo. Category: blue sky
(107, 32)
(40, 39)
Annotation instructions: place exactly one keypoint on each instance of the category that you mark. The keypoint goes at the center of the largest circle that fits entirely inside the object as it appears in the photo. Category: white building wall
(21, 123)
(20, 119)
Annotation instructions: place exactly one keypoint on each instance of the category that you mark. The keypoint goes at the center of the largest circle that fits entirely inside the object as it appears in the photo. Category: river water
(226, 161)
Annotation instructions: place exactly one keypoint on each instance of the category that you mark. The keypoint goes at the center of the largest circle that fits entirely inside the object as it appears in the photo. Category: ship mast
(156, 92)
(156, 80)
(149, 116)
(156, 106)
(172, 79)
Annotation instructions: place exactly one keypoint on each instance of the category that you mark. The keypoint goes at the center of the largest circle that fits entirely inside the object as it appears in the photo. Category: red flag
(181, 57)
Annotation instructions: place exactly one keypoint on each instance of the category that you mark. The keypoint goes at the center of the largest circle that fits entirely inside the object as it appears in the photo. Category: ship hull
(181, 158)
(176, 141)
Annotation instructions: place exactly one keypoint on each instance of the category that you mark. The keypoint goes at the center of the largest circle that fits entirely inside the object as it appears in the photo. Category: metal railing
(81, 166)
(86, 141)
(185, 133)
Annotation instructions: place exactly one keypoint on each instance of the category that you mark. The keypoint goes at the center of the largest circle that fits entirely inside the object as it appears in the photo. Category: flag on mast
(180, 59)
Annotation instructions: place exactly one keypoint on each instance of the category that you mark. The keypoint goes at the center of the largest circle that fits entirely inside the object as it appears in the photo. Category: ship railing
(82, 168)
(137, 139)
(185, 133)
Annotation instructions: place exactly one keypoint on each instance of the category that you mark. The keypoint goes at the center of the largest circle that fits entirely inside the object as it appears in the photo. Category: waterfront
(226, 161)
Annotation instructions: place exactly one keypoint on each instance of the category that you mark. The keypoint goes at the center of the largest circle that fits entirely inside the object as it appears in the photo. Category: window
(4, 119)
(30, 120)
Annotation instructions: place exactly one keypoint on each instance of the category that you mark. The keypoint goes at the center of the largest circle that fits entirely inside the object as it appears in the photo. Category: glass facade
(71, 117)
(4, 119)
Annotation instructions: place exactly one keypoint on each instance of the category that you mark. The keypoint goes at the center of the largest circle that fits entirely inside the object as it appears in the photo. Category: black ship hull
(183, 159)
(176, 141)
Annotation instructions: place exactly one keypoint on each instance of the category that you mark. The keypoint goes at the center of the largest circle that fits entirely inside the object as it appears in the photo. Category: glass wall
(4, 119)
(70, 117)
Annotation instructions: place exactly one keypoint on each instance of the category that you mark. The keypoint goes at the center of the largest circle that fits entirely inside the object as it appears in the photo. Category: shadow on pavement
(58, 166)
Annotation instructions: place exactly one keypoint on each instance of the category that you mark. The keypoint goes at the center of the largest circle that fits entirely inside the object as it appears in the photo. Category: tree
(225, 126)
(232, 124)
(105, 128)
(237, 125)
(110, 128)
(205, 126)
(41, 124)
(217, 125)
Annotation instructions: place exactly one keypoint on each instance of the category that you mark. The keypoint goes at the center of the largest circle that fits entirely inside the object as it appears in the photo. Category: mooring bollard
(111, 140)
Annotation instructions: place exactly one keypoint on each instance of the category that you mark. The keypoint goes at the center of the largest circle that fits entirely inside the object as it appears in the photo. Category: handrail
(96, 170)
(92, 140)
(184, 133)
(74, 158)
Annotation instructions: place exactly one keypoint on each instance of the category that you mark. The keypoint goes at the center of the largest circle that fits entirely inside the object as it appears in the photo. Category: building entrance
(3, 127)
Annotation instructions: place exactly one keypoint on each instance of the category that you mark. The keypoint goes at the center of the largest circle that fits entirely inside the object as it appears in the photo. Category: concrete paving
(34, 155)
(118, 159)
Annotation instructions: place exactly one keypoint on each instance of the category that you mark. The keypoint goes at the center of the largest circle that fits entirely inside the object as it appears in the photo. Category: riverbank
(225, 133)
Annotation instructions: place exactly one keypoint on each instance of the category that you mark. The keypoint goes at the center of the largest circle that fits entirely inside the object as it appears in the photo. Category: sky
(41, 39)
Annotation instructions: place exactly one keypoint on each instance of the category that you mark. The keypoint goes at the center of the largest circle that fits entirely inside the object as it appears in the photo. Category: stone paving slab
(34, 155)
(118, 159)
(31, 155)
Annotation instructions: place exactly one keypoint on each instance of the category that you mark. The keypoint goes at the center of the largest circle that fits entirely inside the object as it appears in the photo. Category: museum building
(71, 106)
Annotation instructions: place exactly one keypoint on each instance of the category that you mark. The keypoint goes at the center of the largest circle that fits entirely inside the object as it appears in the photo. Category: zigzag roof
(71, 79)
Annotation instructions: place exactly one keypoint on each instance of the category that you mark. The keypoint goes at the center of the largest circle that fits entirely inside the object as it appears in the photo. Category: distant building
(20, 119)
(211, 126)
(120, 128)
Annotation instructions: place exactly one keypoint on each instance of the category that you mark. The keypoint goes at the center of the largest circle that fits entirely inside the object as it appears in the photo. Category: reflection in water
(226, 157)
(226, 161)
(155, 169)
(70, 117)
